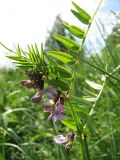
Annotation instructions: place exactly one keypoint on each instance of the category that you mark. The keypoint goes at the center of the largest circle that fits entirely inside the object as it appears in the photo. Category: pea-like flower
(37, 98)
(47, 105)
(54, 99)
(57, 114)
(53, 96)
(60, 139)
(68, 139)
(52, 93)
(27, 83)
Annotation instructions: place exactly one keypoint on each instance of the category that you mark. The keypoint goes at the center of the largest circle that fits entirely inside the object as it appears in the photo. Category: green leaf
(82, 15)
(50, 60)
(9, 111)
(80, 109)
(70, 44)
(69, 122)
(18, 58)
(37, 58)
(37, 53)
(25, 66)
(90, 99)
(62, 56)
(76, 31)
(18, 50)
(80, 101)
(14, 146)
(64, 72)
(31, 55)
(22, 62)
(58, 84)
(94, 85)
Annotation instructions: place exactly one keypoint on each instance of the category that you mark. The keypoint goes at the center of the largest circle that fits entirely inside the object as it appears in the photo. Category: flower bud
(70, 136)
(27, 83)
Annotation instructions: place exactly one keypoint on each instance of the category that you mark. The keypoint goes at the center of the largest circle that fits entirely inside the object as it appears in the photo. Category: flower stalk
(81, 136)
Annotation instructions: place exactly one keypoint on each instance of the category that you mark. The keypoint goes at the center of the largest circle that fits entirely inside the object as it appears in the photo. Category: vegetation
(79, 94)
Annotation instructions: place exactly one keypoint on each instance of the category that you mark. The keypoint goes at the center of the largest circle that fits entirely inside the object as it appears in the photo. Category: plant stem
(82, 149)
(7, 48)
(81, 47)
(56, 146)
(107, 74)
(86, 148)
(83, 142)
(91, 22)
(74, 116)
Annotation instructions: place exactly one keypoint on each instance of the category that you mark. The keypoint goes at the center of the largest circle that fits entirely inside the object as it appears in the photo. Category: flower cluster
(55, 103)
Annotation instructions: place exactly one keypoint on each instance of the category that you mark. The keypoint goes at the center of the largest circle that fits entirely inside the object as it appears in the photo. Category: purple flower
(52, 93)
(53, 96)
(60, 139)
(47, 105)
(69, 138)
(37, 98)
(57, 114)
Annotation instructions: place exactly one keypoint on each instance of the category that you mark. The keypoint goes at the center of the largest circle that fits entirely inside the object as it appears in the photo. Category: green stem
(82, 148)
(73, 75)
(3, 146)
(91, 22)
(74, 116)
(83, 144)
(57, 146)
(83, 41)
(86, 148)
(7, 48)
(68, 155)
(100, 70)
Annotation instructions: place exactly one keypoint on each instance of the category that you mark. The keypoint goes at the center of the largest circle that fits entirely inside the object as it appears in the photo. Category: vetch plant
(52, 74)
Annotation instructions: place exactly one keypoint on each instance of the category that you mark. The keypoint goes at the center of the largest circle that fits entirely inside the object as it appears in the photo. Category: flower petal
(47, 105)
(27, 83)
(52, 93)
(59, 109)
(56, 116)
(60, 139)
(37, 98)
